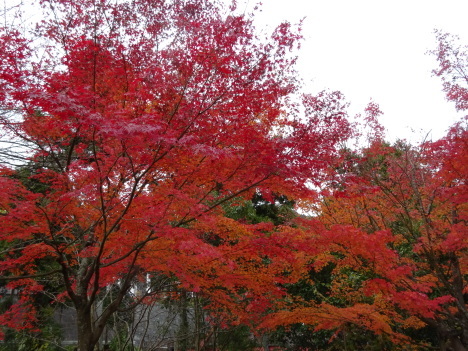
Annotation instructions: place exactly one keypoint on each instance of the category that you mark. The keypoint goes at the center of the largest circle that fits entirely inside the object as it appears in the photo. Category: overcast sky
(372, 49)
(375, 49)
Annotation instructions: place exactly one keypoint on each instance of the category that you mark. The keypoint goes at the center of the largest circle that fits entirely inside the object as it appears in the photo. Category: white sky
(374, 49)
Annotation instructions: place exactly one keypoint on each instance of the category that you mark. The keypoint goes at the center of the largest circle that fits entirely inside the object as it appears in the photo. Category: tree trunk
(86, 339)
(449, 340)
(265, 342)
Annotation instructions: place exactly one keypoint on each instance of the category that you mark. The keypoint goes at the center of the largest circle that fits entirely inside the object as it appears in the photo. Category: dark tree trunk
(86, 337)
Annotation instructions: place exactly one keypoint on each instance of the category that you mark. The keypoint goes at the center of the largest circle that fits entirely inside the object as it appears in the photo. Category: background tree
(391, 237)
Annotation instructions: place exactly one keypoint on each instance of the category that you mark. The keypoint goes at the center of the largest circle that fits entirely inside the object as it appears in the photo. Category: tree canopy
(141, 118)
(157, 146)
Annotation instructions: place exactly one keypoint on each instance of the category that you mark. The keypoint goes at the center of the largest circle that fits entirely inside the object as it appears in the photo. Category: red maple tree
(141, 120)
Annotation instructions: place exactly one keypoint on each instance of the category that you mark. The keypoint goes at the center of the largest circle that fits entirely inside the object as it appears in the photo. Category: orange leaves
(364, 315)
(326, 316)
(395, 233)
(350, 247)
(225, 229)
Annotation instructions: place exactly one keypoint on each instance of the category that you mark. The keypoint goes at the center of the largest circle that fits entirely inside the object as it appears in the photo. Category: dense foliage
(152, 152)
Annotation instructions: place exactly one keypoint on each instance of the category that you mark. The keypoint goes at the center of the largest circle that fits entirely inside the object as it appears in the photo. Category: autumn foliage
(140, 121)
(391, 235)
(135, 127)
(394, 231)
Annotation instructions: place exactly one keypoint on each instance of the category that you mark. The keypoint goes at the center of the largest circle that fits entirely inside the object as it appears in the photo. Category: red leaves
(143, 119)
(376, 130)
(20, 219)
(14, 68)
(453, 63)
(20, 316)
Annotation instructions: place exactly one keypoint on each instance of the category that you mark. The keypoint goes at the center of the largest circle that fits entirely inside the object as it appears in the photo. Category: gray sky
(372, 49)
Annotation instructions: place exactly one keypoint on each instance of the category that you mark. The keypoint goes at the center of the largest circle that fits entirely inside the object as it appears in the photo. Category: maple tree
(390, 235)
(140, 119)
(392, 239)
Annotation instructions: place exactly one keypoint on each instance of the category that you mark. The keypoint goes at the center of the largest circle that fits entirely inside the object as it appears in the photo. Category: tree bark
(84, 323)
